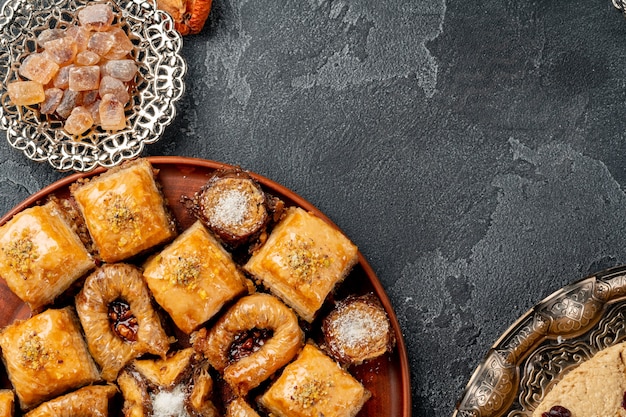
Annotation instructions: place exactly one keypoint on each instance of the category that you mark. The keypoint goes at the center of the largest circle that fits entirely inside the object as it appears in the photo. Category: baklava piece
(46, 356)
(193, 278)
(240, 408)
(179, 385)
(255, 338)
(124, 211)
(232, 205)
(87, 401)
(314, 385)
(7, 403)
(40, 255)
(120, 324)
(302, 261)
(357, 329)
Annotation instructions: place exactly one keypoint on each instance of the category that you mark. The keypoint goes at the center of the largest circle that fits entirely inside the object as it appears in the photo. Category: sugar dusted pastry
(40, 255)
(314, 385)
(119, 322)
(302, 261)
(46, 356)
(232, 205)
(87, 401)
(245, 360)
(193, 278)
(124, 211)
(7, 403)
(178, 385)
(357, 329)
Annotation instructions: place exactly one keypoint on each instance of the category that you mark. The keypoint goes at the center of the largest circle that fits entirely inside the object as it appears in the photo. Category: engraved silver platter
(558, 334)
(157, 86)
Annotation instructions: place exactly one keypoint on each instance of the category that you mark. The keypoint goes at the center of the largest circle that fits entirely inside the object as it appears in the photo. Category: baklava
(176, 385)
(314, 385)
(302, 261)
(41, 255)
(245, 359)
(357, 330)
(120, 324)
(93, 400)
(124, 211)
(46, 356)
(7, 403)
(193, 278)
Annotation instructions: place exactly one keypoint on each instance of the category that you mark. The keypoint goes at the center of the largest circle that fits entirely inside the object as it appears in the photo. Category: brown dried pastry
(41, 255)
(124, 210)
(245, 369)
(189, 15)
(176, 385)
(357, 329)
(120, 324)
(232, 205)
(46, 356)
(193, 278)
(87, 401)
(314, 385)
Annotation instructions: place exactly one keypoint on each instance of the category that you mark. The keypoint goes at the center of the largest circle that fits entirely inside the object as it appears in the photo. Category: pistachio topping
(304, 260)
(33, 352)
(311, 392)
(21, 252)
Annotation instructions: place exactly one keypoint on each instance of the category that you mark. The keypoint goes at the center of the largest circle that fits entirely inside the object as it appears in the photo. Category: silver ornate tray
(559, 333)
(158, 85)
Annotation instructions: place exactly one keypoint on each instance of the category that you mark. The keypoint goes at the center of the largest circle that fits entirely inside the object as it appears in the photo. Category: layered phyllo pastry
(314, 385)
(93, 400)
(124, 211)
(120, 324)
(41, 255)
(244, 343)
(193, 278)
(302, 261)
(240, 408)
(46, 356)
(178, 385)
(7, 403)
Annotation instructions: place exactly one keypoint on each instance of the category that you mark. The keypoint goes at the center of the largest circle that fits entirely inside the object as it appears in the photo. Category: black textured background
(474, 150)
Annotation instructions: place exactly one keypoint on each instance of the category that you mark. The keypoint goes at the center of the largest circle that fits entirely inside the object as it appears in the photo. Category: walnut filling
(122, 320)
(248, 342)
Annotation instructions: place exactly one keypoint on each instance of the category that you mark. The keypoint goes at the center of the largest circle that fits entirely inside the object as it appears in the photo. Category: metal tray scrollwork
(157, 87)
(558, 334)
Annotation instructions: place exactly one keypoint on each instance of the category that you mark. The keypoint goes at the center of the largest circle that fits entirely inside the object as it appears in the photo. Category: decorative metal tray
(559, 333)
(158, 84)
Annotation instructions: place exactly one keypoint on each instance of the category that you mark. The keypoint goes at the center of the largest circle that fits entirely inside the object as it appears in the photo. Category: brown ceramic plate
(559, 333)
(387, 377)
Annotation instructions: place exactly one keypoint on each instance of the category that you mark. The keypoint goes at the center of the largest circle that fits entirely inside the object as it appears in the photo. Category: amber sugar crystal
(85, 78)
(111, 113)
(79, 121)
(25, 93)
(80, 73)
(96, 17)
(39, 68)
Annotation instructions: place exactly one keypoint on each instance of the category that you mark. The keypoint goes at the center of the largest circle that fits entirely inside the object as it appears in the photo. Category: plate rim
(273, 186)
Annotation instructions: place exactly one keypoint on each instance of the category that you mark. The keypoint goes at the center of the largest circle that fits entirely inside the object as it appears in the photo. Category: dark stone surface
(474, 151)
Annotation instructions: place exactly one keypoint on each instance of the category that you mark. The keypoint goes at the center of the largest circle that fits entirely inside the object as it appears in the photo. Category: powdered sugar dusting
(169, 403)
(231, 208)
(356, 328)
